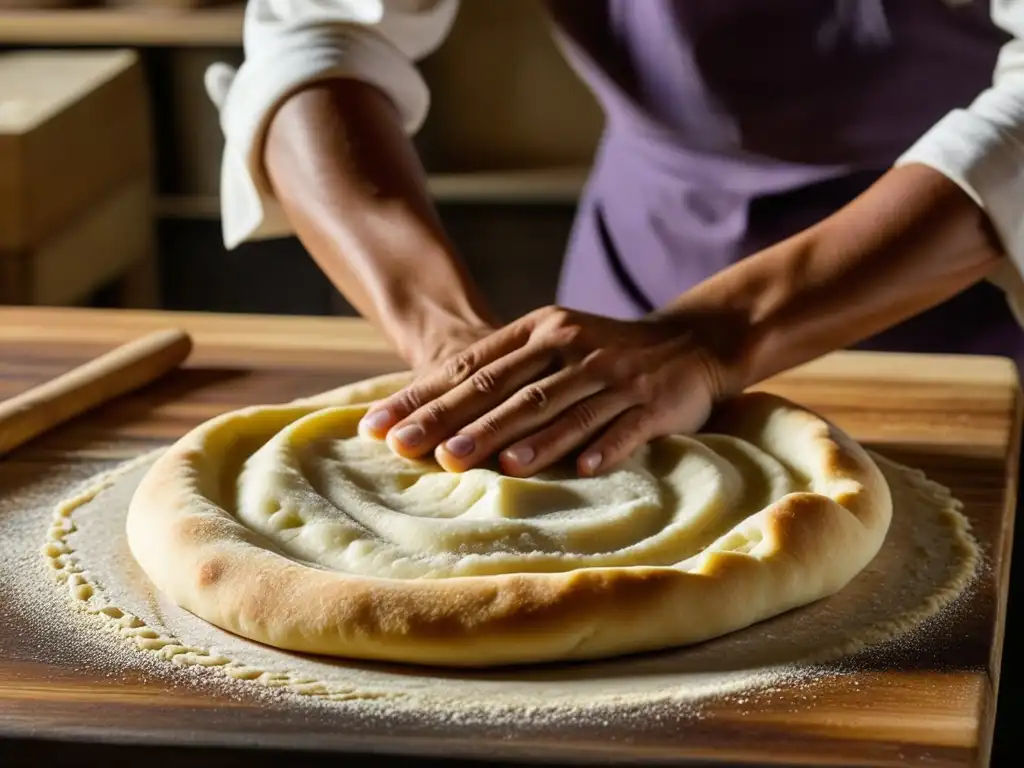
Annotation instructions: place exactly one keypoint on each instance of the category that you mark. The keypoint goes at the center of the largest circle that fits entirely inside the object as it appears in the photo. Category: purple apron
(732, 124)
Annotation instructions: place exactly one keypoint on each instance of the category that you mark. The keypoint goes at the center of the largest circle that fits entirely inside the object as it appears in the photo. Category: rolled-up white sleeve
(981, 148)
(292, 43)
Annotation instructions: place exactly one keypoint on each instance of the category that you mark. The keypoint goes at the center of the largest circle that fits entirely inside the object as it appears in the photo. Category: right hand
(553, 383)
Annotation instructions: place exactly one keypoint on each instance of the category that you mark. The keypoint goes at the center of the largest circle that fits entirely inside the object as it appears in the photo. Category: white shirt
(291, 43)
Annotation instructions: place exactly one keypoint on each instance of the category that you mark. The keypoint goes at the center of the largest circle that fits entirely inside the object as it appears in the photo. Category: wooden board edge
(987, 718)
(332, 334)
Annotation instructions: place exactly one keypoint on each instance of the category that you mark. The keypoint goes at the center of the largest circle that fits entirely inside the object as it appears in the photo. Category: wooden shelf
(217, 26)
(560, 186)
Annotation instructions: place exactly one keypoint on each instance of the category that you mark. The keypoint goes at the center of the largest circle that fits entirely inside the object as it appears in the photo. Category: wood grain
(956, 418)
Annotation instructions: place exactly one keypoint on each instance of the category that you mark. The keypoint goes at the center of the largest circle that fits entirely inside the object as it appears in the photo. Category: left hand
(550, 384)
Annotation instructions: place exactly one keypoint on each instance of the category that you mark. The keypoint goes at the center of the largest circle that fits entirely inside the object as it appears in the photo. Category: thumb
(630, 431)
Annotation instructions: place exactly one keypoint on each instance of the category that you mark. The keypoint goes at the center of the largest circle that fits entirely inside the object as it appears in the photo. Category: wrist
(910, 242)
(723, 340)
(412, 285)
(750, 318)
(424, 331)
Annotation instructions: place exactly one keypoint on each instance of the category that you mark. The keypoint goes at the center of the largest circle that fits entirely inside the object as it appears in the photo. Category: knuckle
(435, 412)
(558, 330)
(489, 426)
(409, 401)
(552, 316)
(484, 382)
(629, 435)
(534, 397)
(601, 366)
(584, 416)
(644, 386)
(567, 334)
(458, 369)
(547, 312)
(558, 316)
(617, 445)
(620, 440)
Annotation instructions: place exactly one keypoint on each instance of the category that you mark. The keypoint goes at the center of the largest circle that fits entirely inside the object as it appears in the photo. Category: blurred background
(110, 158)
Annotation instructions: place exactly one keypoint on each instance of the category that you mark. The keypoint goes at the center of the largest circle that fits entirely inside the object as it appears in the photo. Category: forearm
(350, 183)
(907, 244)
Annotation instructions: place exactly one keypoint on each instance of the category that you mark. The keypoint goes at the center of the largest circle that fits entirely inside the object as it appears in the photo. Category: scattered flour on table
(107, 616)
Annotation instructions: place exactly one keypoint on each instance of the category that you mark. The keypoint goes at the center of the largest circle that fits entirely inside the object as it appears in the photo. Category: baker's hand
(426, 352)
(550, 384)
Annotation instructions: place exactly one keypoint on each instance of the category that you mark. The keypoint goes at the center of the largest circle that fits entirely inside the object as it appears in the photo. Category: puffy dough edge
(803, 547)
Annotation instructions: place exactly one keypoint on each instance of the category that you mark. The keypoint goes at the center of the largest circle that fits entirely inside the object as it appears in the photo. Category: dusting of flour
(106, 614)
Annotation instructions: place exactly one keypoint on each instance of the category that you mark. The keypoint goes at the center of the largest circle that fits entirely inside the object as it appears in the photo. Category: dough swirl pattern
(284, 526)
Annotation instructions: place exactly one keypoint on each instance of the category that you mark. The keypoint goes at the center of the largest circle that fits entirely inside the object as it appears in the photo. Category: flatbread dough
(282, 525)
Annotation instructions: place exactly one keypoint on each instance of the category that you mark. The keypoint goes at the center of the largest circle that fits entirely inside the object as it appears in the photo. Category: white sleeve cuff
(249, 97)
(980, 150)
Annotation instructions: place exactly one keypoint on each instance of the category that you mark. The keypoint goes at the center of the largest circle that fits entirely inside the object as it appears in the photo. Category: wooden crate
(76, 173)
(73, 126)
(113, 242)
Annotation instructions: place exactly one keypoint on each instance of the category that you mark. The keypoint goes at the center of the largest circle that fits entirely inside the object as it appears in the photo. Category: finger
(565, 434)
(528, 410)
(490, 386)
(387, 412)
(630, 431)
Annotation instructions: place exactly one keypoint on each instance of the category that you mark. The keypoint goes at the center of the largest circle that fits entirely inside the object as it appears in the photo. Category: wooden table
(956, 418)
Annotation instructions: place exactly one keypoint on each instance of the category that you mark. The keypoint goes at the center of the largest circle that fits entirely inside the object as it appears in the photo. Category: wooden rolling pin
(99, 381)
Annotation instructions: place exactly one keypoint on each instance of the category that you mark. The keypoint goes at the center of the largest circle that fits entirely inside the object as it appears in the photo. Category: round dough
(284, 526)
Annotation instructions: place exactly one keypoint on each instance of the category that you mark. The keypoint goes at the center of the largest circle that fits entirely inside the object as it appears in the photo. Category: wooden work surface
(956, 418)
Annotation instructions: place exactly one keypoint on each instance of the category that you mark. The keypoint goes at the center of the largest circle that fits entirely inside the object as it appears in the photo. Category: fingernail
(460, 445)
(521, 455)
(378, 420)
(590, 462)
(410, 435)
